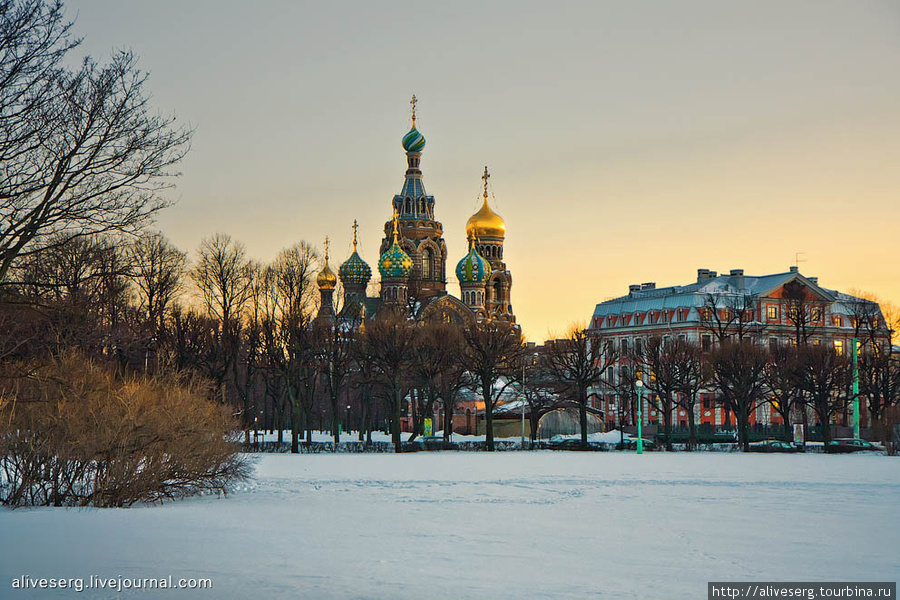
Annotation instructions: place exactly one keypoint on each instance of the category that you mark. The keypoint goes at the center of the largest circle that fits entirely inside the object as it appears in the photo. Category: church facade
(413, 257)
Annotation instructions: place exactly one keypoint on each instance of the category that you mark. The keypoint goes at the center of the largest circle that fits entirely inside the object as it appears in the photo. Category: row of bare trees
(795, 381)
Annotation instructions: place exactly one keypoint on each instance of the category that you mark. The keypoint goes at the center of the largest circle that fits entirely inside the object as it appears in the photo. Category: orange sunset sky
(628, 141)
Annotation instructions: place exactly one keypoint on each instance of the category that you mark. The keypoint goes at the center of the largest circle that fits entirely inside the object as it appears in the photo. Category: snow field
(479, 525)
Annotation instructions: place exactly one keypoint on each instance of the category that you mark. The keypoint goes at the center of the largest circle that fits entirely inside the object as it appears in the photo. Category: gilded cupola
(485, 223)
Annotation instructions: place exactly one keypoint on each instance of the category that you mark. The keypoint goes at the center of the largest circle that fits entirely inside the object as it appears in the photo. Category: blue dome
(355, 270)
(413, 141)
(473, 268)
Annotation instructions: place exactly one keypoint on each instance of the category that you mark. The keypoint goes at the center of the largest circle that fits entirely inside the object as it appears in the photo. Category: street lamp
(525, 396)
(640, 441)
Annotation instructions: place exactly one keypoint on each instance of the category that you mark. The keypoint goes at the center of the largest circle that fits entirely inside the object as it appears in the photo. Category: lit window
(815, 314)
(839, 321)
(772, 313)
(839, 347)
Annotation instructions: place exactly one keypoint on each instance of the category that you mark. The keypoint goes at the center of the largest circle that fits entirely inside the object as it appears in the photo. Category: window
(772, 313)
(773, 344)
(623, 345)
(637, 345)
(682, 337)
(839, 321)
(426, 264)
(839, 347)
(815, 314)
(706, 343)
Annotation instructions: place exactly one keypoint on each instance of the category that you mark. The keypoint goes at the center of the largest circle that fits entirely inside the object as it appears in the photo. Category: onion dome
(473, 268)
(355, 270)
(326, 279)
(395, 263)
(485, 223)
(413, 141)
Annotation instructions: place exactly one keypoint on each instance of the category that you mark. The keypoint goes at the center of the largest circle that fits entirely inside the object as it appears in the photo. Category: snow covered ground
(477, 525)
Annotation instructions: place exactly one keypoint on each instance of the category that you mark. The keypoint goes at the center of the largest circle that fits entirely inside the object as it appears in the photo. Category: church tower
(489, 231)
(355, 275)
(395, 267)
(326, 281)
(420, 235)
(472, 272)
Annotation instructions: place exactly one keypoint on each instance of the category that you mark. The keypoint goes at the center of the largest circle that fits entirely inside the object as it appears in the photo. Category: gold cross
(485, 178)
(326, 249)
(355, 227)
(413, 102)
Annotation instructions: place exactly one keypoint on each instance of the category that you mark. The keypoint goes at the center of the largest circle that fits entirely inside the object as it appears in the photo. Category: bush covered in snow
(76, 433)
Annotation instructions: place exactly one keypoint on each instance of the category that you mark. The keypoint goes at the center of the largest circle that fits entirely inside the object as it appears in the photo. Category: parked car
(428, 442)
(845, 445)
(561, 443)
(779, 446)
(630, 443)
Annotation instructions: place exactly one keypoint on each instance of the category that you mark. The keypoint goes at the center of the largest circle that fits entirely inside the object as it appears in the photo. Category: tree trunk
(448, 421)
(395, 429)
(582, 421)
(295, 427)
(692, 429)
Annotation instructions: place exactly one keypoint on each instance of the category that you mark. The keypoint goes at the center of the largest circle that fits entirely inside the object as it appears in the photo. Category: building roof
(648, 297)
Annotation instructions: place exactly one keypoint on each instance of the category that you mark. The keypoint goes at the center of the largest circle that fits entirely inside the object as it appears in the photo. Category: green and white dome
(413, 141)
(473, 268)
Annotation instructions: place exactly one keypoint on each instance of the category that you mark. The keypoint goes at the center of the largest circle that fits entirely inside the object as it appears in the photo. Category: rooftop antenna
(798, 260)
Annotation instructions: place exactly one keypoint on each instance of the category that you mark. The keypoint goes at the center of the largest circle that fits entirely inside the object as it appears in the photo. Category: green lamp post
(640, 441)
(855, 389)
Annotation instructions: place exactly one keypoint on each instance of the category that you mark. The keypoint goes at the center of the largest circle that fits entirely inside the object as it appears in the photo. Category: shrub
(74, 433)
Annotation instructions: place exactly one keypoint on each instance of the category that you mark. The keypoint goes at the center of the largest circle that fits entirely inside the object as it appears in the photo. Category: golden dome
(485, 223)
(326, 279)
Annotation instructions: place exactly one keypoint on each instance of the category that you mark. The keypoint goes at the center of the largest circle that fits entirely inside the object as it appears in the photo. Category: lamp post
(640, 441)
(855, 390)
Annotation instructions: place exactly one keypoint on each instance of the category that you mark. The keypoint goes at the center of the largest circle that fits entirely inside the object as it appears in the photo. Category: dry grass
(76, 434)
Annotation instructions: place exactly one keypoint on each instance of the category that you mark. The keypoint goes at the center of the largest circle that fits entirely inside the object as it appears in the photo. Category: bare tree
(738, 369)
(826, 377)
(784, 377)
(493, 350)
(80, 150)
(158, 274)
(288, 344)
(577, 364)
(660, 364)
(438, 370)
(803, 310)
(691, 375)
(730, 316)
(388, 344)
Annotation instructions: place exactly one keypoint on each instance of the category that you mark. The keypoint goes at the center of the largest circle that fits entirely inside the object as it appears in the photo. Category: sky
(628, 142)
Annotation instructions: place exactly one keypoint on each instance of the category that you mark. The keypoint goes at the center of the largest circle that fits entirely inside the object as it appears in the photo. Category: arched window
(408, 206)
(498, 290)
(427, 261)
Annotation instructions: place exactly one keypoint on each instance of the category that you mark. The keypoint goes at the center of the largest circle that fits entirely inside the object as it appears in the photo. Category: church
(413, 260)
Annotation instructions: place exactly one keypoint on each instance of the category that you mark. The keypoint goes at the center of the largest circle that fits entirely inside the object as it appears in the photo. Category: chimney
(795, 269)
(650, 285)
(634, 288)
(702, 275)
(737, 276)
(713, 274)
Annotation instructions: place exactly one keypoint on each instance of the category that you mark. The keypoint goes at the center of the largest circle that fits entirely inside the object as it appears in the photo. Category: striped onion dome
(473, 268)
(413, 141)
